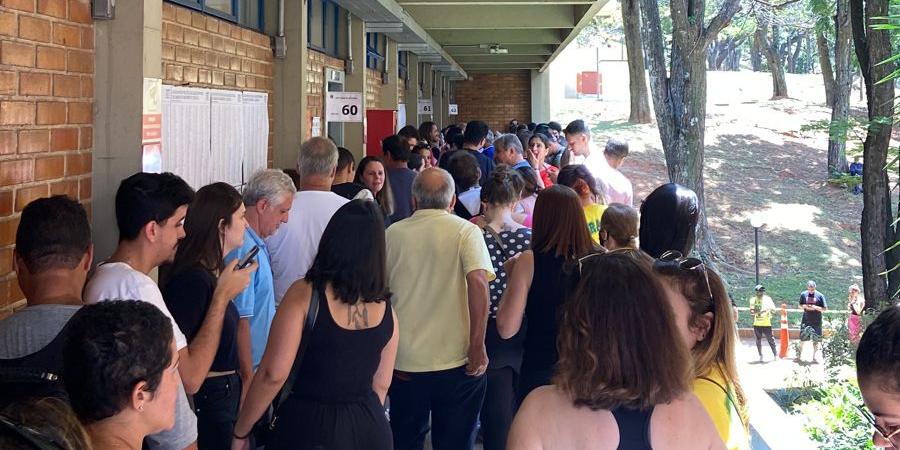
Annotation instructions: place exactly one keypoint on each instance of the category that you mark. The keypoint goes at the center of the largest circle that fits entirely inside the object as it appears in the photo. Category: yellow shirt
(593, 214)
(428, 257)
(764, 308)
(722, 410)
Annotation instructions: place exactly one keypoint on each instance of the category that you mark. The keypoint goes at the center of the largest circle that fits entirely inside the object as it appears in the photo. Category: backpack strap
(288, 386)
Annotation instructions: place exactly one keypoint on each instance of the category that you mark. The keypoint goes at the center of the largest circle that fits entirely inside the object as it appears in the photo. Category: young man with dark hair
(465, 172)
(150, 212)
(52, 257)
(474, 140)
(410, 135)
(343, 184)
(396, 155)
(878, 372)
(578, 137)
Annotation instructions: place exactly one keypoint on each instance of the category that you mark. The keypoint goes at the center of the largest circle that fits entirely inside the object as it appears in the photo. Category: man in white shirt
(293, 247)
(150, 212)
(578, 137)
(615, 185)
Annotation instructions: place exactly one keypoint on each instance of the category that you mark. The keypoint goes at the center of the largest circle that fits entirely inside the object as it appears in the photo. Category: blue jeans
(453, 400)
(216, 405)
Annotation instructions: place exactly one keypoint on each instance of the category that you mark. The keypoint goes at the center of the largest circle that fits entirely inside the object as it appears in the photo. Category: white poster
(344, 107)
(452, 109)
(316, 126)
(401, 116)
(426, 107)
(186, 131)
(238, 147)
(255, 136)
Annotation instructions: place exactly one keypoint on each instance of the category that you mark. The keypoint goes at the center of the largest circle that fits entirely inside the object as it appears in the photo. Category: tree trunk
(637, 82)
(872, 47)
(779, 85)
(795, 56)
(679, 96)
(755, 55)
(825, 64)
(840, 109)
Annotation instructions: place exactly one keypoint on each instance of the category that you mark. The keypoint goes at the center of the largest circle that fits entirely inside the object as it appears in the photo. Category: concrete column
(540, 96)
(412, 89)
(440, 105)
(427, 91)
(354, 133)
(389, 96)
(127, 50)
(290, 101)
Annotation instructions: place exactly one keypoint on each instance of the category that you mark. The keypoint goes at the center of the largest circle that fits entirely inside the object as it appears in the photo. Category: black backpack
(35, 375)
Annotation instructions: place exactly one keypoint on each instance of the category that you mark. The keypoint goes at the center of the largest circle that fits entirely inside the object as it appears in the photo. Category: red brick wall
(495, 98)
(203, 51)
(315, 86)
(46, 103)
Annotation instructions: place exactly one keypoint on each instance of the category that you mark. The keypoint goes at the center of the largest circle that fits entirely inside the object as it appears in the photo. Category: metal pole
(756, 239)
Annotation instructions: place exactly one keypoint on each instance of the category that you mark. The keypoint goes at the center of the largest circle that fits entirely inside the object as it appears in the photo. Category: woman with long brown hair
(704, 316)
(372, 174)
(536, 279)
(614, 388)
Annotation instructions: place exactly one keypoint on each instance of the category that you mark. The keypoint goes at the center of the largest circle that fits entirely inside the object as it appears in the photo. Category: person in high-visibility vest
(762, 307)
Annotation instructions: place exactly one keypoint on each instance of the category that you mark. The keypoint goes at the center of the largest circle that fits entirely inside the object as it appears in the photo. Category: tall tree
(770, 50)
(637, 81)
(840, 107)
(755, 56)
(679, 92)
(873, 47)
(824, 51)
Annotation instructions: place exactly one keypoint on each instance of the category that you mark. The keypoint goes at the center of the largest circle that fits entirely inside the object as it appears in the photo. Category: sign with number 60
(343, 107)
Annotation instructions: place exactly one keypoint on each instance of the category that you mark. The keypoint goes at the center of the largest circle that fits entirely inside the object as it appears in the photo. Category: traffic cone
(785, 337)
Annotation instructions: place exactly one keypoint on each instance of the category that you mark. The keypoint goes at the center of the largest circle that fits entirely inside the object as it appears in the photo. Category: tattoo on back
(358, 315)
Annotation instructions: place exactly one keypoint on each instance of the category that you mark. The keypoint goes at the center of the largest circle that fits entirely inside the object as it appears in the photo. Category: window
(248, 13)
(325, 21)
(402, 71)
(375, 45)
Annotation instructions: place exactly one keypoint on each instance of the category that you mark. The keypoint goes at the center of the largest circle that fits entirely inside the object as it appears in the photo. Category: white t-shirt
(294, 246)
(471, 199)
(616, 187)
(119, 281)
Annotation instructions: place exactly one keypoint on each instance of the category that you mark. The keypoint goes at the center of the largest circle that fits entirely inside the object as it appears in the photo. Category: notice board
(212, 135)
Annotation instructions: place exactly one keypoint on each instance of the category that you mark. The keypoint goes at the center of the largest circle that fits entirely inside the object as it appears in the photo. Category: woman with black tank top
(337, 401)
(613, 388)
(535, 289)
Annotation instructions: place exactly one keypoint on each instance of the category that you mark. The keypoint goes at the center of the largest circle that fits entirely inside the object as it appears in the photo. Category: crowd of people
(462, 285)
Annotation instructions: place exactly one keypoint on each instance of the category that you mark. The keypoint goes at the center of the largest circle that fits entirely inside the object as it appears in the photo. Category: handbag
(264, 429)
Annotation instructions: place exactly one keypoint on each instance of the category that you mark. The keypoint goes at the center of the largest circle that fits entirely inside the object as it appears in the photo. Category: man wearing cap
(762, 307)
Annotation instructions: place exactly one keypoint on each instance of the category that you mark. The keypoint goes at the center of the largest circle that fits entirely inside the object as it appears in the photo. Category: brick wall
(46, 103)
(373, 88)
(203, 51)
(495, 98)
(315, 86)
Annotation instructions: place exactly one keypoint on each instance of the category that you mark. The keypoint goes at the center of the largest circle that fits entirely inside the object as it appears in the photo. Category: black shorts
(810, 332)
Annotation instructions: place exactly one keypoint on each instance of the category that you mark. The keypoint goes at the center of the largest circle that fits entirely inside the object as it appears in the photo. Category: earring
(141, 408)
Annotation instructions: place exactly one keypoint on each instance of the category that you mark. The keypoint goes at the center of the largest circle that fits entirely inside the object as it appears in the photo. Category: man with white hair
(268, 197)
(440, 291)
(508, 150)
(293, 247)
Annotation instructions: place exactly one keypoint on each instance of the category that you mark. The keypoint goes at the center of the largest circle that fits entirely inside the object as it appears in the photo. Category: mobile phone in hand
(248, 260)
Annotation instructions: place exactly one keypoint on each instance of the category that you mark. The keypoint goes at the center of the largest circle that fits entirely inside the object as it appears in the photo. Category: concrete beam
(440, 107)
(450, 38)
(127, 50)
(493, 17)
(492, 2)
(500, 59)
(412, 90)
(354, 132)
(290, 102)
(515, 49)
(389, 94)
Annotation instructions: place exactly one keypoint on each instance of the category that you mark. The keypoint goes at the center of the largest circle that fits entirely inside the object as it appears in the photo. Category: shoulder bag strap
(301, 350)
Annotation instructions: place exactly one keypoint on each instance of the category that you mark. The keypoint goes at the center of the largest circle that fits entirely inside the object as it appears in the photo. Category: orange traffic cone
(785, 337)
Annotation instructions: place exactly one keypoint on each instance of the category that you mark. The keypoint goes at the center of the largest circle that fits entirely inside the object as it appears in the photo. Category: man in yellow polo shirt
(438, 268)
(762, 307)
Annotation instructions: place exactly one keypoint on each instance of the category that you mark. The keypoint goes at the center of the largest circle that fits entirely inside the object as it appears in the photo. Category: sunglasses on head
(676, 259)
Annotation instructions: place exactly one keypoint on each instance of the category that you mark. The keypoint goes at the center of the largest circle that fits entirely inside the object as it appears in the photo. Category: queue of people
(516, 295)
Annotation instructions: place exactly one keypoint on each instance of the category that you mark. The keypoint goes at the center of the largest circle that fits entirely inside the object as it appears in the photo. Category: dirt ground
(757, 161)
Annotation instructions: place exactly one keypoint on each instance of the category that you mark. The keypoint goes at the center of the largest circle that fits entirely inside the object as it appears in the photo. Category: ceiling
(457, 36)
